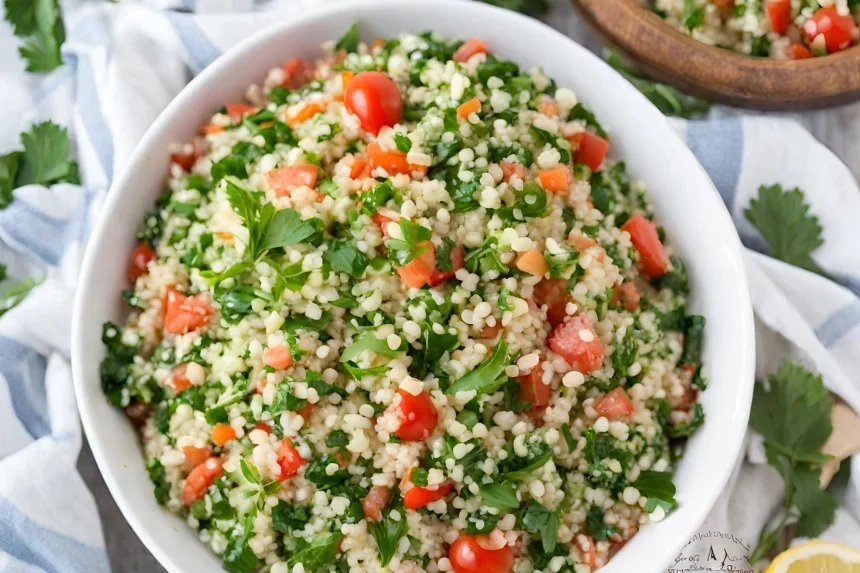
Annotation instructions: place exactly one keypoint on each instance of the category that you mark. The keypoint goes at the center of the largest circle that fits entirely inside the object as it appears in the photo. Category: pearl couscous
(398, 311)
(780, 29)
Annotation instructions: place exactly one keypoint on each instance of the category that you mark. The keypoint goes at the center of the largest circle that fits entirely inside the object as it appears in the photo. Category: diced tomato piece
(468, 49)
(555, 294)
(613, 405)
(533, 262)
(418, 416)
(839, 30)
(285, 180)
(138, 264)
(383, 217)
(186, 160)
(375, 99)
(468, 108)
(290, 460)
(296, 74)
(779, 14)
(418, 497)
(417, 272)
(223, 433)
(626, 295)
(198, 481)
(643, 234)
(491, 331)
(184, 314)
(510, 168)
(298, 115)
(556, 179)
(377, 499)
(458, 261)
(723, 4)
(533, 389)
(467, 556)
(194, 457)
(238, 110)
(591, 149)
(356, 166)
(576, 342)
(263, 426)
(548, 106)
(587, 549)
(211, 128)
(799, 52)
(307, 411)
(179, 378)
(278, 357)
(393, 162)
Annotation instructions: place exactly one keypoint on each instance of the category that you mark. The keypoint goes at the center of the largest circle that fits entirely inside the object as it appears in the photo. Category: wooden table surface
(838, 129)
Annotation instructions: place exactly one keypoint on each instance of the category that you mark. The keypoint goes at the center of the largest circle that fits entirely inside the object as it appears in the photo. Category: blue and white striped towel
(123, 65)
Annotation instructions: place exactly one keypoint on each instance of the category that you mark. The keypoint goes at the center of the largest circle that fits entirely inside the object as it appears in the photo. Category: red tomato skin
(200, 478)
(532, 388)
(138, 264)
(613, 405)
(591, 151)
(458, 261)
(419, 416)
(376, 500)
(626, 295)
(469, 48)
(838, 30)
(554, 294)
(285, 179)
(417, 272)
(467, 556)
(290, 460)
(183, 314)
(418, 497)
(779, 14)
(194, 457)
(375, 99)
(799, 52)
(237, 110)
(643, 235)
(582, 356)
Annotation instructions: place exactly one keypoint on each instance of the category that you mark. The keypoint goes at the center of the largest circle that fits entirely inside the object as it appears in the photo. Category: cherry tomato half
(419, 416)
(375, 99)
(838, 30)
(467, 556)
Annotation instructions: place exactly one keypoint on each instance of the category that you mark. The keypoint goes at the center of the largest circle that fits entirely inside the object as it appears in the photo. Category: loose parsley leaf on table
(784, 220)
(792, 412)
(39, 24)
(667, 99)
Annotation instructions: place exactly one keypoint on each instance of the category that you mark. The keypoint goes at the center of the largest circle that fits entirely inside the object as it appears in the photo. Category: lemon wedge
(817, 557)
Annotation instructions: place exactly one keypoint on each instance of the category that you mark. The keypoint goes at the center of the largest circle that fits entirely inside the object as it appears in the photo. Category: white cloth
(124, 64)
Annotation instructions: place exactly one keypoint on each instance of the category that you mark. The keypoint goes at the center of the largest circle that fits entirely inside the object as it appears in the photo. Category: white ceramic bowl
(687, 204)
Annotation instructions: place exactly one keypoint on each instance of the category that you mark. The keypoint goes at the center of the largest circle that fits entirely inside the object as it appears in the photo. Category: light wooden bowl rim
(717, 74)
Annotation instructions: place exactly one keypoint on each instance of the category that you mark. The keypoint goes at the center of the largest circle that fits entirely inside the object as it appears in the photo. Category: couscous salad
(398, 310)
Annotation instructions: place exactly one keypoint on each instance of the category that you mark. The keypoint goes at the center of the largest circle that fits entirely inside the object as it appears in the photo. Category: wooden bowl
(716, 74)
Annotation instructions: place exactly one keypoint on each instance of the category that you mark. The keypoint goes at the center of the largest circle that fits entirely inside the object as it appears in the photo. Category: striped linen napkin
(125, 62)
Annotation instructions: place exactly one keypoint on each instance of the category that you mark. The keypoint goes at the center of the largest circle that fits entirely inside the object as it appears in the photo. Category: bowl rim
(187, 96)
(719, 74)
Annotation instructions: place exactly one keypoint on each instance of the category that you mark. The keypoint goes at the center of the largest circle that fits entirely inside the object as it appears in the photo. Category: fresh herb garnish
(488, 376)
(538, 520)
(413, 244)
(501, 496)
(783, 219)
(388, 531)
(39, 23)
(349, 41)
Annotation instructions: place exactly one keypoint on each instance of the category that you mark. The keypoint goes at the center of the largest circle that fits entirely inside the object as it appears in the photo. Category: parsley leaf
(238, 557)
(792, 412)
(667, 99)
(516, 468)
(488, 376)
(286, 517)
(532, 7)
(39, 24)
(368, 341)
(595, 526)
(402, 142)
(388, 532)
(320, 552)
(538, 520)
(414, 242)
(501, 496)
(287, 228)
(784, 220)
(658, 488)
(345, 257)
(8, 168)
(694, 17)
(349, 41)
(45, 159)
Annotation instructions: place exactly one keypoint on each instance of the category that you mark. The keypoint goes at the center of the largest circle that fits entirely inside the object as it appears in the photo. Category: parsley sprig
(791, 410)
(783, 219)
(39, 24)
(13, 292)
(413, 244)
(45, 160)
(267, 229)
